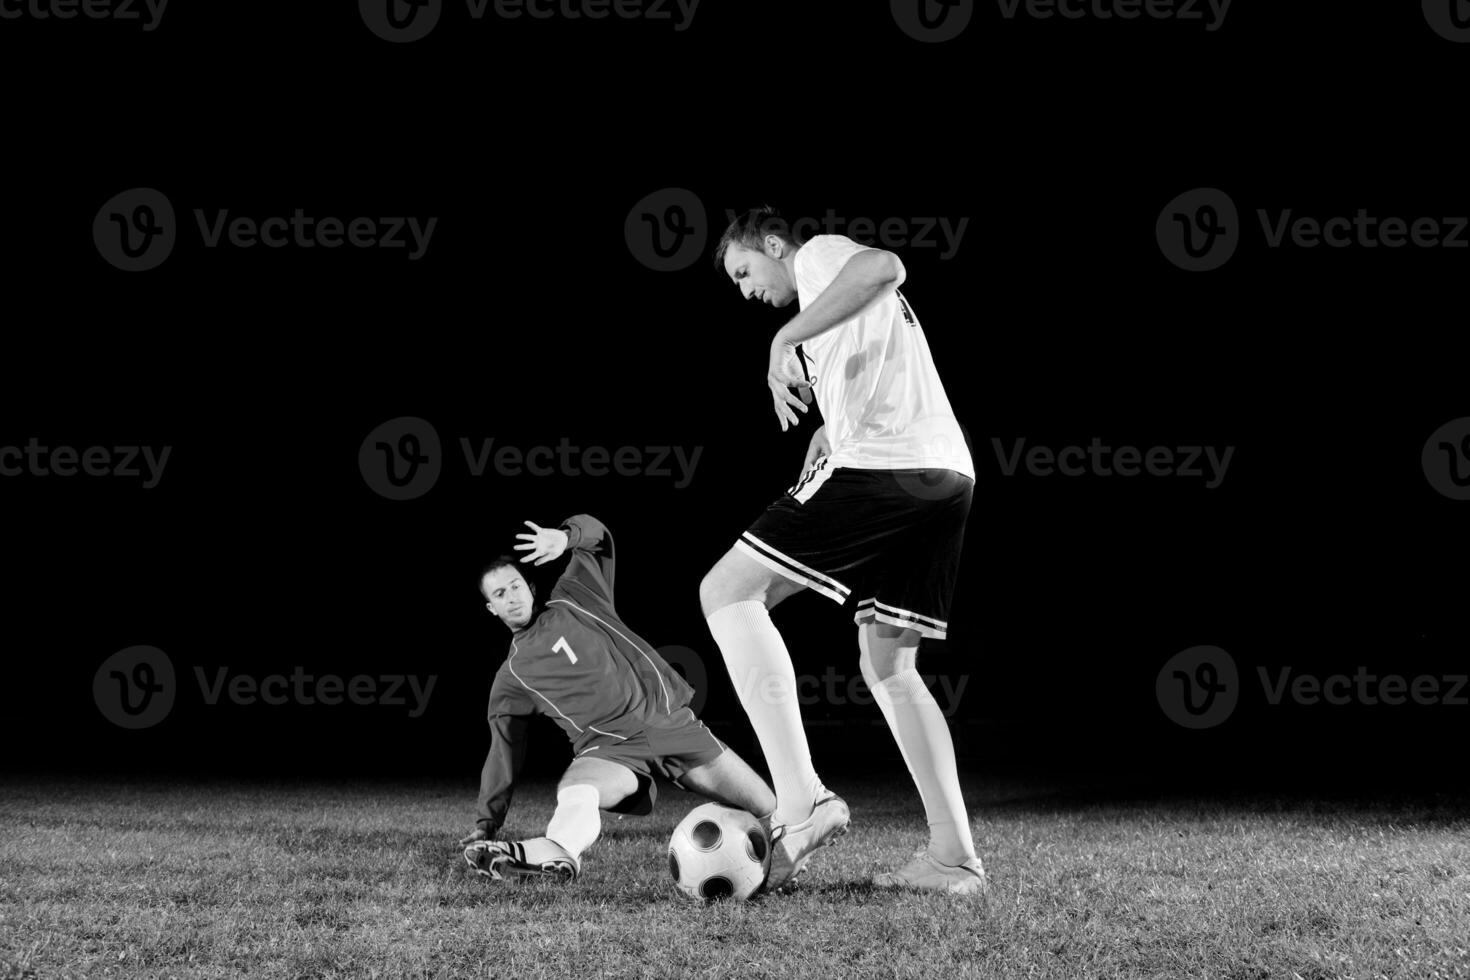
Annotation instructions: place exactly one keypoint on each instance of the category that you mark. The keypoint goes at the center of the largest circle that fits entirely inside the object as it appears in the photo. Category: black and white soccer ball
(718, 852)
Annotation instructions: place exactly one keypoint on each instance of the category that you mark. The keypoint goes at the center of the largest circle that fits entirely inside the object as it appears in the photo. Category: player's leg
(728, 779)
(889, 665)
(737, 596)
(588, 786)
(912, 601)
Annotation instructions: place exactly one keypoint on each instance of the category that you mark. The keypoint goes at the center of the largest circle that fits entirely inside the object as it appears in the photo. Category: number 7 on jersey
(562, 646)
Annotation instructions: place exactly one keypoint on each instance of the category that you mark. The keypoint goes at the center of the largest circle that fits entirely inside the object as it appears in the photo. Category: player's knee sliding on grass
(625, 710)
(877, 519)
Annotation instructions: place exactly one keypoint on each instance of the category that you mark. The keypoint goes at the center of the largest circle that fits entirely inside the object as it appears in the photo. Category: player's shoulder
(826, 253)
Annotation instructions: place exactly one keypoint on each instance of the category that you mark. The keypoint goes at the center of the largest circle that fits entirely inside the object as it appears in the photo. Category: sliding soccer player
(877, 517)
(624, 708)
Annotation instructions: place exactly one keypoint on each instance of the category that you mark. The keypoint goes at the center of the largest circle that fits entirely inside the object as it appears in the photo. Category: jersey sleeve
(590, 569)
(820, 260)
(509, 716)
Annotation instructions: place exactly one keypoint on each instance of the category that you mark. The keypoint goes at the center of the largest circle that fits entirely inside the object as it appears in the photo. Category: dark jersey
(580, 666)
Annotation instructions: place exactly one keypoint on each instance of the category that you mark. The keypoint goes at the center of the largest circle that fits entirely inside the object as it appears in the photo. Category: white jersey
(874, 378)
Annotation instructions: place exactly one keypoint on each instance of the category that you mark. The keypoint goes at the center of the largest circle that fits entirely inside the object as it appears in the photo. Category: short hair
(750, 229)
(504, 561)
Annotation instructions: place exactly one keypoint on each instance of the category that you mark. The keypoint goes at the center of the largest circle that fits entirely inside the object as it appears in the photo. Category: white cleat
(924, 873)
(793, 844)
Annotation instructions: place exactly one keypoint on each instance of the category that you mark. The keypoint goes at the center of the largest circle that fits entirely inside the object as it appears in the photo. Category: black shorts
(672, 747)
(889, 539)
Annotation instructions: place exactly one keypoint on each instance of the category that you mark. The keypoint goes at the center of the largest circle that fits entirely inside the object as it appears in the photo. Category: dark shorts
(679, 743)
(887, 541)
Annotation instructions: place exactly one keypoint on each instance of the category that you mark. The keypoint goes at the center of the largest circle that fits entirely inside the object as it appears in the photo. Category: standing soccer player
(878, 514)
(624, 708)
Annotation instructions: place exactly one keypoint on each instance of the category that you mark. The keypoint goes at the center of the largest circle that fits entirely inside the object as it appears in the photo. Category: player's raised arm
(509, 716)
(591, 566)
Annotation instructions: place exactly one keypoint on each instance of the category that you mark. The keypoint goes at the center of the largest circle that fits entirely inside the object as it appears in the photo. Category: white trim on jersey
(509, 663)
(668, 705)
(794, 570)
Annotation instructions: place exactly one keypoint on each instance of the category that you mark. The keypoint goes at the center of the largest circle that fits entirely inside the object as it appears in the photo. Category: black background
(530, 320)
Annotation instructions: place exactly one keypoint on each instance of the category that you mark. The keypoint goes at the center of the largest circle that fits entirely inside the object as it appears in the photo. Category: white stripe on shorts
(794, 570)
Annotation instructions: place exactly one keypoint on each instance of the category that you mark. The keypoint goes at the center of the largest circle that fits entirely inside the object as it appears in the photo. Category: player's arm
(509, 718)
(591, 546)
(866, 277)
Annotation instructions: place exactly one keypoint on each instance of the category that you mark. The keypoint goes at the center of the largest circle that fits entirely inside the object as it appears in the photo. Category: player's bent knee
(886, 650)
(613, 783)
(711, 592)
(728, 582)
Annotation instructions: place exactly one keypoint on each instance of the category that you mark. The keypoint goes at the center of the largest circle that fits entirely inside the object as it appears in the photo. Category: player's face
(762, 274)
(508, 595)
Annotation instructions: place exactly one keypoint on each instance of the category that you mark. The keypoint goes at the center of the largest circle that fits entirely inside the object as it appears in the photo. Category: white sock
(764, 679)
(923, 737)
(576, 822)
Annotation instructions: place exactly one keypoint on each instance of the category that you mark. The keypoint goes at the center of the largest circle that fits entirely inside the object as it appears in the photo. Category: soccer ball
(718, 852)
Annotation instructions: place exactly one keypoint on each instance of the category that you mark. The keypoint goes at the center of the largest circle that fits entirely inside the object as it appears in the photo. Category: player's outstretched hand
(477, 835)
(544, 544)
(782, 374)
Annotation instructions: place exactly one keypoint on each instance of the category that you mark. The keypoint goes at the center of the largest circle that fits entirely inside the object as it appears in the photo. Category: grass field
(130, 879)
